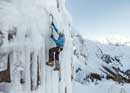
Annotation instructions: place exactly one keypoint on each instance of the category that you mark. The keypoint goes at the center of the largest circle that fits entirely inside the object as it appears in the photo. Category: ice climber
(55, 51)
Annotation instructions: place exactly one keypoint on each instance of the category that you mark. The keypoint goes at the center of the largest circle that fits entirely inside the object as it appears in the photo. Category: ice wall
(26, 40)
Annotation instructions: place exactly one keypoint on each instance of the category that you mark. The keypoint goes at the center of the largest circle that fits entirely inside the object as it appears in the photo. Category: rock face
(93, 61)
(24, 45)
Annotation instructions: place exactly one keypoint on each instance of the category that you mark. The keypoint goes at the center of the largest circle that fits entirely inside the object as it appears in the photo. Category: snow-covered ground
(103, 87)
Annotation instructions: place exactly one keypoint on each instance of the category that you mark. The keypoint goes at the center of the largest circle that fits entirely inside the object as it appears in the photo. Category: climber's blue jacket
(60, 41)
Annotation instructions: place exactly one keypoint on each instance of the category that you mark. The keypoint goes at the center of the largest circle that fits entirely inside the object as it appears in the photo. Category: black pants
(55, 50)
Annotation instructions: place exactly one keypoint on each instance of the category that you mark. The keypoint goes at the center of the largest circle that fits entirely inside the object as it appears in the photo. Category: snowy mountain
(116, 40)
(24, 45)
(100, 68)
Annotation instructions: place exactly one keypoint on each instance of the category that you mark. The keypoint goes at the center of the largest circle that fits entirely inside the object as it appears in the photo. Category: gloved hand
(51, 36)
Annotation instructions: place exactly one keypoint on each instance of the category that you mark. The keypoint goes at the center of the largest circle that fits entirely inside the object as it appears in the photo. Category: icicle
(38, 72)
(27, 70)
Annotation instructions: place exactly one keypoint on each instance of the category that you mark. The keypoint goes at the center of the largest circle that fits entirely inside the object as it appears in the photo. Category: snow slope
(25, 38)
(102, 87)
(100, 68)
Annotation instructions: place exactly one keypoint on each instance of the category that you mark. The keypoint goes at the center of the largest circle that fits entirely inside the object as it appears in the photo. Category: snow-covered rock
(95, 64)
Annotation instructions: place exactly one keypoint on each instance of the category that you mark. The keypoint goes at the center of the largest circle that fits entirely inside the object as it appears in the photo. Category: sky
(99, 19)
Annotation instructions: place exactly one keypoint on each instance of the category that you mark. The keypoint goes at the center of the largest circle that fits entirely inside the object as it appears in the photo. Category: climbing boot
(50, 63)
(57, 66)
